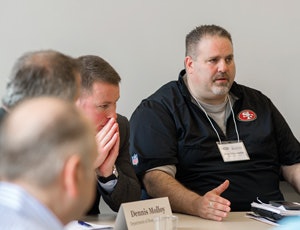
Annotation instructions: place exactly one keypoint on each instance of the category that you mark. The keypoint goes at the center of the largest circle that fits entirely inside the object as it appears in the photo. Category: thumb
(222, 187)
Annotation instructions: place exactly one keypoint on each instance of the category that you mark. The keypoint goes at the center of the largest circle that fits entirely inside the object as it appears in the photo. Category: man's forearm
(161, 184)
(292, 175)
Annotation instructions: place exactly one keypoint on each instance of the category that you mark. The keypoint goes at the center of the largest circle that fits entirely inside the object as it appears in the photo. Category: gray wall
(144, 40)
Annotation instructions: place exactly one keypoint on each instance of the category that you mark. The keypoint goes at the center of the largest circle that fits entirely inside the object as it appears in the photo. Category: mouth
(221, 79)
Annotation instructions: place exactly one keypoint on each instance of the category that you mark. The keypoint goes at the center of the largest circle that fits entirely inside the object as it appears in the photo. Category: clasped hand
(108, 140)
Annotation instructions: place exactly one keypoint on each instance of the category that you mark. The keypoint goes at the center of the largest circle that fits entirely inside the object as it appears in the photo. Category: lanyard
(235, 125)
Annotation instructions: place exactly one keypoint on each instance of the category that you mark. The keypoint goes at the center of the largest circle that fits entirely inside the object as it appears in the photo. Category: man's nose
(112, 114)
(223, 66)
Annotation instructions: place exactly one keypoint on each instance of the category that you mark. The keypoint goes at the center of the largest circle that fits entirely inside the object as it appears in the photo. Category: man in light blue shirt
(47, 157)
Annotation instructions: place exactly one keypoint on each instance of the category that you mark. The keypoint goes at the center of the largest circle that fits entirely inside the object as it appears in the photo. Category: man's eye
(212, 60)
(229, 60)
(102, 106)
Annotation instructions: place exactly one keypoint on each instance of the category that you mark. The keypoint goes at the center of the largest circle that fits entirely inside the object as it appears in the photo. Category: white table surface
(235, 221)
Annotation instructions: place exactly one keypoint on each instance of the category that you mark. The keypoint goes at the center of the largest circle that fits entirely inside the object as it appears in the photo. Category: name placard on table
(139, 214)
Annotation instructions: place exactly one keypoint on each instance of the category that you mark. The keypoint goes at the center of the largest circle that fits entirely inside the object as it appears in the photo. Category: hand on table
(212, 206)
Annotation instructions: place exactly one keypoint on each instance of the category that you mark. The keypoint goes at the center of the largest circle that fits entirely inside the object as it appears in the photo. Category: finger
(221, 188)
(221, 206)
(110, 151)
(114, 148)
(217, 215)
(102, 133)
(215, 200)
(110, 159)
(112, 143)
(218, 202)
(105, 136)
(106, 128)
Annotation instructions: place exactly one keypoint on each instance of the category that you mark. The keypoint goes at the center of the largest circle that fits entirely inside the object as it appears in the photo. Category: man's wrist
(113, 176)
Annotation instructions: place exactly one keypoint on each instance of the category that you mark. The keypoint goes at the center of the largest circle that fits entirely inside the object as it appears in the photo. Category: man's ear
(78, 101)
(188, 63)
(71, 176)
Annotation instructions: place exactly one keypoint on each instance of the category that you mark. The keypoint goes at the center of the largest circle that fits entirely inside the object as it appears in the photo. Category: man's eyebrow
(108, 102)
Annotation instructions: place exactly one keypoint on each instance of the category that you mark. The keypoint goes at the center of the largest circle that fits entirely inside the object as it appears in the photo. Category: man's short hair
(194, 37)
(93, 69)
(42, 73)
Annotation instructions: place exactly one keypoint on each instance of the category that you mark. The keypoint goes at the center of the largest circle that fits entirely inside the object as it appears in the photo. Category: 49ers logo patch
(247, 115)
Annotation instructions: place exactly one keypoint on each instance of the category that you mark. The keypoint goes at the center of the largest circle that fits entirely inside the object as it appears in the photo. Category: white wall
(144, 40)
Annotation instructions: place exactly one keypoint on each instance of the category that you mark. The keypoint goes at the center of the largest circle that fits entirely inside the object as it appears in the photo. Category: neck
(216, 100)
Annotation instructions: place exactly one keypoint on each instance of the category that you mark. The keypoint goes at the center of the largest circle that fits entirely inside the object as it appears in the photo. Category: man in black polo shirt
(208, 143)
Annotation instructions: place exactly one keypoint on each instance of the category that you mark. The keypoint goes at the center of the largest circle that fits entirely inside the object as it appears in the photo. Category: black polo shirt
(167, 128)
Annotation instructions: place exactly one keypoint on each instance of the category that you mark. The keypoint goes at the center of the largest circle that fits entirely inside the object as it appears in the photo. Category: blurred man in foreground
(46, 165)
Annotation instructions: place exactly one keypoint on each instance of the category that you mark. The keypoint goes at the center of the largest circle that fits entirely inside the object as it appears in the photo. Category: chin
(220, 91)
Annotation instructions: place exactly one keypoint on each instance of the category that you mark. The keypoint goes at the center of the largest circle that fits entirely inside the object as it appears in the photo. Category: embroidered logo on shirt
(247, 115)
(135, 159)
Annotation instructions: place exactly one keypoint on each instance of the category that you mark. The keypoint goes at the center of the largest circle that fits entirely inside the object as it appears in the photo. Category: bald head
(42, 73)
(38, 135)
(35, 118)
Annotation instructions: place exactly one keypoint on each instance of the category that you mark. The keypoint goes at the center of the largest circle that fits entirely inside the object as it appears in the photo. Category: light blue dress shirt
(19, 210)
(289, 223)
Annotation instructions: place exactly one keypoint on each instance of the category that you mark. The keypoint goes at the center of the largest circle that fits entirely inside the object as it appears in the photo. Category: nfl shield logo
(135, 159)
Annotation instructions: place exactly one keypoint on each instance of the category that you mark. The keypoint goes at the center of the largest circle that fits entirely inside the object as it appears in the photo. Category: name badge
(233, 151)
